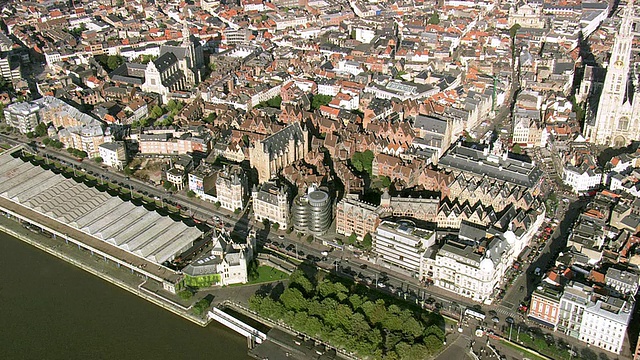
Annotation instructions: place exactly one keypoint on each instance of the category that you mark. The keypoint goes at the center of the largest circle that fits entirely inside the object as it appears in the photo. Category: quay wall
(136, 290)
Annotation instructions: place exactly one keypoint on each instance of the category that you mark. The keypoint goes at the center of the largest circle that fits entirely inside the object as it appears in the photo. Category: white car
(381, 285)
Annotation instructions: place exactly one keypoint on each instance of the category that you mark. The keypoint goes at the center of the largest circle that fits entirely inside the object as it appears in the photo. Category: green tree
(210, 118)
(432, 344)
(185, 294)
(201, 307)
(275, 102)
(434, 19)
(145, 59)
(367, 241)
(171, 105)
(356, 161)
(300, 280)
(113, 61)
(385, 181)
(98, 159)
(293, 299)
(156, 112)
(352, 238)
(166, 184)
(275, 226)
(516, 148)
(41, 130)
(191, 194)
(319, 100)
(367, 161)
(252, 269)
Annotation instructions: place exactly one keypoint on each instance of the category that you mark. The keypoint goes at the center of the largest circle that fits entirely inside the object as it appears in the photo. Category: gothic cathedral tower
(617, 121)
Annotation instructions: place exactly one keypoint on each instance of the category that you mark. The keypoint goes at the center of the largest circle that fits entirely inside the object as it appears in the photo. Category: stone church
(617, 121)
(270, 155)
(178, 68)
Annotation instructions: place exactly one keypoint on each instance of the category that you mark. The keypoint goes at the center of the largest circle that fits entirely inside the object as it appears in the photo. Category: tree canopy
(434, 19)
(349, 317)
(319, 100)
(362, 161)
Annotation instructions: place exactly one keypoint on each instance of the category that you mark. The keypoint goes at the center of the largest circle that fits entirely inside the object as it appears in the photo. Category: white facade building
(402, 245)
(474, 268)
(581, 178)
(228, 260)
(604, 324)
(231, 188)
(572, 304)
(272, 203)
(113, 154)
(23, 116)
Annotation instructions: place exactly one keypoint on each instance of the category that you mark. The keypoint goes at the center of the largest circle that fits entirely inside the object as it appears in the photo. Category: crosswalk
(505, 312)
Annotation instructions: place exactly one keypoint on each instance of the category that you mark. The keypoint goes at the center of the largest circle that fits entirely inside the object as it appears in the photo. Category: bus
(476, 314)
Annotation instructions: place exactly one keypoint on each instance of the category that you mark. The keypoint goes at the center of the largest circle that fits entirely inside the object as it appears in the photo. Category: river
(52, 310)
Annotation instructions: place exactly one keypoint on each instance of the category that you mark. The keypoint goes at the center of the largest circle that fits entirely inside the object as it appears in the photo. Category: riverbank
(103, 269)
(55, 310)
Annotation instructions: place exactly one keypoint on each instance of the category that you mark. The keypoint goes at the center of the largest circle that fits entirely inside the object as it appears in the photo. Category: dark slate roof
(430, 123)
(180, 52)
(466, 159)
(280, 140)
(165, 61)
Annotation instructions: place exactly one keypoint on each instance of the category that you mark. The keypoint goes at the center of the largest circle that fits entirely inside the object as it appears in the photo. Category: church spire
(627, 20)
(185, 32)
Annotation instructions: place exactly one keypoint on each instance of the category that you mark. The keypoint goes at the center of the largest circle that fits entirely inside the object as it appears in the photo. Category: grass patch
(267, 274)
(540, 345)
(524, 353)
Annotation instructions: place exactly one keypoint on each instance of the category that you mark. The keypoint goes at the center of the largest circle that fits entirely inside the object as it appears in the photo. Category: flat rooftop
(111, 220)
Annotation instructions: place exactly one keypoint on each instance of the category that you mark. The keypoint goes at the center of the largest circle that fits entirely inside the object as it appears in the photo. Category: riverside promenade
(96, 265)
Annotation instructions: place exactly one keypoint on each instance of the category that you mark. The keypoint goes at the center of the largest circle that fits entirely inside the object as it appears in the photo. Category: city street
(527, 280)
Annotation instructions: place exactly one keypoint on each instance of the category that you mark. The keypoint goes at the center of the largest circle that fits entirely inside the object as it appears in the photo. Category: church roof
(280, 140)
(165, 61)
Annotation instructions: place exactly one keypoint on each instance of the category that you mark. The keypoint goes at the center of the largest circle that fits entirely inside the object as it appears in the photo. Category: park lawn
(541, 346)
(522, 352)
(268, 274)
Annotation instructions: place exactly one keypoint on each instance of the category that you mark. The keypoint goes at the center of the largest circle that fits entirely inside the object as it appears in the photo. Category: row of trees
(353, 319)
(367, 241)
(77, 153)
(53, 143)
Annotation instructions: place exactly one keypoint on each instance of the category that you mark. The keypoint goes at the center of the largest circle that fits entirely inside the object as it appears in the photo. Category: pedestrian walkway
(505, 312)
